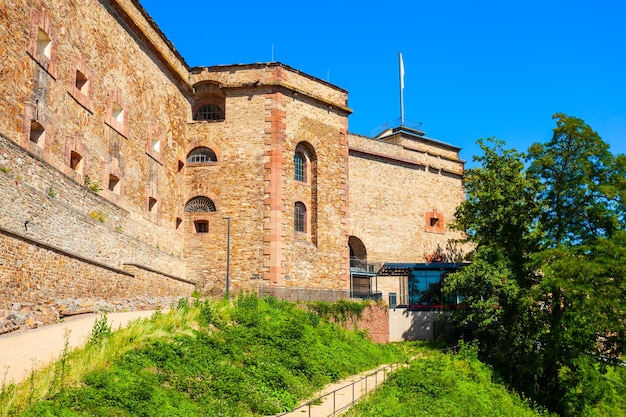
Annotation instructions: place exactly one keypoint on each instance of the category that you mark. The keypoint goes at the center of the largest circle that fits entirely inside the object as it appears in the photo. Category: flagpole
(401, 88)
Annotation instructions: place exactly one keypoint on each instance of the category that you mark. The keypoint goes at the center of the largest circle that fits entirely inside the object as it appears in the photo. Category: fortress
(125, 172)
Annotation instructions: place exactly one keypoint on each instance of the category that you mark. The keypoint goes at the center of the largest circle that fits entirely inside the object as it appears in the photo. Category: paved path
(21, 352)
(339, 397)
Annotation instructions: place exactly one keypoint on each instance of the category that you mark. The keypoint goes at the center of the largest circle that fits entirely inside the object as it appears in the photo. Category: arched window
(199, 205)
(299, 217)
(299, 166)
(201, 155)
(209, 112)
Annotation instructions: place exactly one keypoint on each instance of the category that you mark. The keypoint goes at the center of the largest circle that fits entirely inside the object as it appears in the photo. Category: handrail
(333, 393)
(319, 400)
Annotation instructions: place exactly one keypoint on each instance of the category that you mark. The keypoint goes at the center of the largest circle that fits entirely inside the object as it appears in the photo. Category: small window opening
(156, 145)
(209, 112)
(152, 204)
(82, 83)
(200, 205)
(299, 217)
(44, 44)
(37, 133)
(181, 165)
(201, 155)
(114, 185)
(202, 226)
(434, 221)
(117, 112)
(75, 159)
(179, 221)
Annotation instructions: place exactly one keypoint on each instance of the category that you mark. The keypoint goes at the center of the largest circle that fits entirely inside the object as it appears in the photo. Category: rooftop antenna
(272, 53)
(401, 62)
(328, 75)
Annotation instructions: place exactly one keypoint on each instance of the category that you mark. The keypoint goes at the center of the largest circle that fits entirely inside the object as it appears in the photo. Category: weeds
(101, 329)
(98, 215)
(6, 170)
(51, 192)
(92, 185)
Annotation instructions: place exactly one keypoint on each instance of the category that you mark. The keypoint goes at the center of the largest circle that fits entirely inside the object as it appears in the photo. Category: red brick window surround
(75, 158)
(114, 181)
(35, 131)
(116, 115)
(154, 143)
(41, 41)
(434, 222)
(152, 205)
(80, 84)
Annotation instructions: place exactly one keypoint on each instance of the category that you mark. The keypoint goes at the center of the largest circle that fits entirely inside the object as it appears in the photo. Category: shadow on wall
(405, 325)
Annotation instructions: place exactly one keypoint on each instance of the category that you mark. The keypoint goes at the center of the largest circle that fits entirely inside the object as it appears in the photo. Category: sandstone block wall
(393, 193)
(252, 183)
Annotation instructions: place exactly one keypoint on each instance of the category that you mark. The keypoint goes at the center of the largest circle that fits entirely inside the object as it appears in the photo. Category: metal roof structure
(403, 269)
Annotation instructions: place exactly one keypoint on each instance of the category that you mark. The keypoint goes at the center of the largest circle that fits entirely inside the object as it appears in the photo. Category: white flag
(401, 71)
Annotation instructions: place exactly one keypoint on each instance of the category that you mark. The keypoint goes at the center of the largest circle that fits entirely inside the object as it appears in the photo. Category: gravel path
(22, 352)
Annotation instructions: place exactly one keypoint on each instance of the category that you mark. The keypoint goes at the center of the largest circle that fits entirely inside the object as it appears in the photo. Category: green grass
(443, 385)
(245, 358)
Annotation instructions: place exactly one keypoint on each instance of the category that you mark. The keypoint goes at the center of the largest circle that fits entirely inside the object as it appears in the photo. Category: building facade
(124, 171)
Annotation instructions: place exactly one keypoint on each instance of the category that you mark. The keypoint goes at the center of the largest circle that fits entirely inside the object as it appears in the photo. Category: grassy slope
(254, 357)
(443, 385)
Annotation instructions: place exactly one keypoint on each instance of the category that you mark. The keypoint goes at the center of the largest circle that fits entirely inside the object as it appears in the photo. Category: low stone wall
(40, 283)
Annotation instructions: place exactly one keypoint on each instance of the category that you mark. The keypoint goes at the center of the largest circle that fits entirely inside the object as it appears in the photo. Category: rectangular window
(202, 226)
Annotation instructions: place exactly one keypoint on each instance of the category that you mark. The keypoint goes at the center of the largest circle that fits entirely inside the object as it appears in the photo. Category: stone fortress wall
(98, 125)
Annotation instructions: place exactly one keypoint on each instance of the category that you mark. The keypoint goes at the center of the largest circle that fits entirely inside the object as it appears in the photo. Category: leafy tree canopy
(546, 292)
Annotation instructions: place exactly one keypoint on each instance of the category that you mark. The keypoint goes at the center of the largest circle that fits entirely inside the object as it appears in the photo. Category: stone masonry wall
(35, 273)
(83, 222)
(98, 62)
(390, 200)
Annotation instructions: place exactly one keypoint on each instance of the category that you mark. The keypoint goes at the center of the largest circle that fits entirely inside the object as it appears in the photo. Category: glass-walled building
(421, 285)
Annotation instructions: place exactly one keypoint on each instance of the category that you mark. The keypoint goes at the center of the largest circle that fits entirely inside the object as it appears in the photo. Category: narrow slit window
(82, 83)
(117, 112)
(75, 159)
(37, 133)
(152, 202)
(114, 185)
(156, 145)
(44, 44)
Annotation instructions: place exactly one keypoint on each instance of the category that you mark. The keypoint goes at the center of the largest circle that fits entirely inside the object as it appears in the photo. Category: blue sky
(473, 69)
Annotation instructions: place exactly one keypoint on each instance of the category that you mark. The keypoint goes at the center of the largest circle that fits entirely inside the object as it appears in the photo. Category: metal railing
(318, 408)
(344, 397)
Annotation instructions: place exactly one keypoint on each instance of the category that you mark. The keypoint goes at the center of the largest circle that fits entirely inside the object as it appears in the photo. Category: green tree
(577, 170)
(545, 290)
